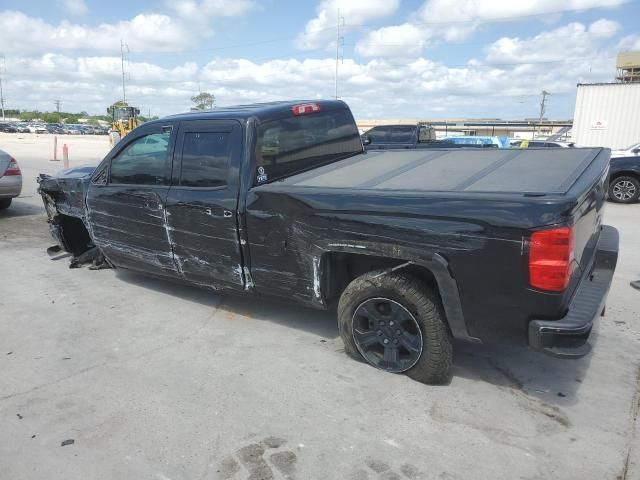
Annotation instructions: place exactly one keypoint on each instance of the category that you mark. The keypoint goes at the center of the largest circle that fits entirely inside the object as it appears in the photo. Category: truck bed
(529, 172)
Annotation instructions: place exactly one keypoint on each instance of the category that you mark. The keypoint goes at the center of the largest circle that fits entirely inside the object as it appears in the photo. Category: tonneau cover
(528, 171)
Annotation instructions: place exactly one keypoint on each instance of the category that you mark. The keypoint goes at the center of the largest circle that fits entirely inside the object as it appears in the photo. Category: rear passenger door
(202, 202)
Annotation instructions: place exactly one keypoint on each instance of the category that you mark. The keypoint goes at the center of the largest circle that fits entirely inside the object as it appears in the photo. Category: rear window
(292, 145)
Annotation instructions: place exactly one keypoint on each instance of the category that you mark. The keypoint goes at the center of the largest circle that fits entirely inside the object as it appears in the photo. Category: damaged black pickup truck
(415, 247)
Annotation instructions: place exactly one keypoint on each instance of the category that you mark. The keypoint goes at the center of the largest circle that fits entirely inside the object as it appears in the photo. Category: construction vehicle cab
(123, 119)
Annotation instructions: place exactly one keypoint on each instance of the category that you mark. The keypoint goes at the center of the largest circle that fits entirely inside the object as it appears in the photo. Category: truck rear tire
(394, 322)
(5, 203)
(624, 189)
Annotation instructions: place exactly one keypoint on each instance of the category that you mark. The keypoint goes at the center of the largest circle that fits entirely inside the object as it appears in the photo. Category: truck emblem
(262, 177)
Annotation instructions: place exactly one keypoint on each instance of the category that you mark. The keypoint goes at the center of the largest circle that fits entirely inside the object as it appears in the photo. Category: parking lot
(146, 379)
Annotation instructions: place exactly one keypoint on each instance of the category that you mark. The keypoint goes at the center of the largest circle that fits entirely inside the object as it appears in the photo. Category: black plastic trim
(568, 336)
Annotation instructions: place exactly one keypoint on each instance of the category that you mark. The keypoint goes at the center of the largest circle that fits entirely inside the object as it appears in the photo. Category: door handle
(227, 214)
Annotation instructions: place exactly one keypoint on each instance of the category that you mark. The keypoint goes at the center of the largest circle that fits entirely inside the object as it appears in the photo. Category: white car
(37, 128)
(631, 151)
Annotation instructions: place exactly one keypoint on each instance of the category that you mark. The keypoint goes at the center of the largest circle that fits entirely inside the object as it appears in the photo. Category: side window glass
(143, 162)
(377, 135)
(205, 159)
(402, 134)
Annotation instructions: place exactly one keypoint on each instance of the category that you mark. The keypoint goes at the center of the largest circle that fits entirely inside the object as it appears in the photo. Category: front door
(125, 202)
(202, 203)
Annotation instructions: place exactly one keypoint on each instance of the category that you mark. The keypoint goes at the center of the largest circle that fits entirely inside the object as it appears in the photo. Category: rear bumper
(10, 186)
(568, 336)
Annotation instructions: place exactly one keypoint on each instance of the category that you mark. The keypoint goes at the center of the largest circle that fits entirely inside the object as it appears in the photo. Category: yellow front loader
(123, 119)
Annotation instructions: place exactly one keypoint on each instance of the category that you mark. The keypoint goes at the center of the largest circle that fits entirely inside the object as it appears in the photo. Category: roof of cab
(261, 111)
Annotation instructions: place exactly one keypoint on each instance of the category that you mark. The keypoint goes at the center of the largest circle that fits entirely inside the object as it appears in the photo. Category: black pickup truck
(415, 247)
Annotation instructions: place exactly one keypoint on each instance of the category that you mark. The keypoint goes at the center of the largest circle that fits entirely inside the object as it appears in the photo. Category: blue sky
(402, 58)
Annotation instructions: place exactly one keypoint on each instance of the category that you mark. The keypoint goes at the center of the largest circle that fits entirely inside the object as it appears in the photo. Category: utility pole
(2, 69)
(1, 98)
(122, 47)
(339, 43)
(545, 94)
(57, 104)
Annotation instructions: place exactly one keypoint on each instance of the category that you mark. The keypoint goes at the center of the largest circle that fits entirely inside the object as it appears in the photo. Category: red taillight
(305, 108)
(551, 259)
(13, 168)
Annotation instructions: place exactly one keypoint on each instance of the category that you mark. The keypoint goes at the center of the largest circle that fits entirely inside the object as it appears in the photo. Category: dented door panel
(202, 220)
(128, 225)
(127, 221)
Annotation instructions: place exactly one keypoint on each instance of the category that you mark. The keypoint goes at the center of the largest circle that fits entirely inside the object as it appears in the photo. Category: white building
(607, 115)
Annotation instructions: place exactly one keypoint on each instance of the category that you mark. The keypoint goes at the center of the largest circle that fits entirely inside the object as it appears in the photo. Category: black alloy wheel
(387, 335)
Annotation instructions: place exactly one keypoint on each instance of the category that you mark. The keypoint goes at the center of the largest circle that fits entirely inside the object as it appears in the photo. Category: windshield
(292, 145)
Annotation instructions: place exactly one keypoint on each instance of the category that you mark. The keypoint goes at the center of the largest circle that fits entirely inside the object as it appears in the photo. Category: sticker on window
(262, 177)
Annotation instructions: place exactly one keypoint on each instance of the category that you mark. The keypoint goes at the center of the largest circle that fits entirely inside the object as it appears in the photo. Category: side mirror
(366, 140)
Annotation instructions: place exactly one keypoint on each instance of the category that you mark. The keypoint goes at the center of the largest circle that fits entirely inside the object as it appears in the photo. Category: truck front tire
(394, 322)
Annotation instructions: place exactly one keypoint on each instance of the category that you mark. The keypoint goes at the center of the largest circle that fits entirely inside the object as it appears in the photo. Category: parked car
(8, 128)
(21, 127)
(393, 137)
(624, 179)
(55, 128)
(37, 128)
(68, 129)
(540, 144)
(631, 151)
(415, 248)
(10, 179)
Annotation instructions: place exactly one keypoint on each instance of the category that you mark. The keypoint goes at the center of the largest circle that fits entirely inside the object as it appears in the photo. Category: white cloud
(376, 88)
(321, 30)
(576, 39)
(144, 32)
(404, 40)
(76, 7)
(194, 10)
(629, 43)
(456, 20)
(604, 28)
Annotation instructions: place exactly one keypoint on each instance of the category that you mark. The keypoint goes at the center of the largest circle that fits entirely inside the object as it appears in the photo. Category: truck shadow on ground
(318, 322)
(516, 368)
(556, 381)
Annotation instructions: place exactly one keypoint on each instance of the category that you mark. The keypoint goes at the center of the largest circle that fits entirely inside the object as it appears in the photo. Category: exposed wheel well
(632, 174)
(74, 233)
(340, 268)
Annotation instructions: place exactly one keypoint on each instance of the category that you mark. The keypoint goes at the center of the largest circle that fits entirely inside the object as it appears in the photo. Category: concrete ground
(152, 380)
